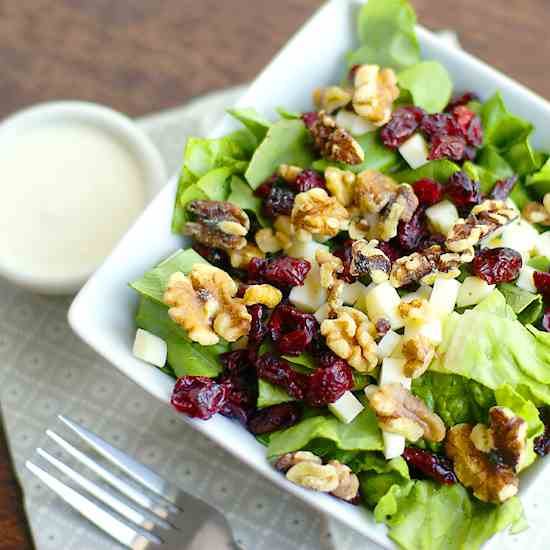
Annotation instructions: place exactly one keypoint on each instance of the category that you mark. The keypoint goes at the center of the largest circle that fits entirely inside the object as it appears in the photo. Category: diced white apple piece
(382, 302)
(443, 297)
(306, 250)
(520, 236)
(311, 295)
(388, 344)
(525, 279)
(352, 292)
(322, 313)
(431, 329)
(442, 216)
(415, 151)
(353, 123)
(423, 292)
(542, 246)
(394, 445)
(392, 372)
(346, 408)
(150, 348)
(472, 291)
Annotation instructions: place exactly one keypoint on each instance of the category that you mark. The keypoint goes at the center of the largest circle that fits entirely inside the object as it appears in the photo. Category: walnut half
(367, 259)
(401, 412)
(489, 481)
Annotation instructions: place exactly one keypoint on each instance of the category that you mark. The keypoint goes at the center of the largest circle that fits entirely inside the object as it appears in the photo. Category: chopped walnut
(319, 214)
(335, 298)
(331, 98)
(289, 173)
(535, 212)
(340, 184)
(264, 294)
(484, 219)
(281, 236)
(386, 228)
(418, 351)
(490, 482)
(218, 224)
(330, 265)
(374, 94)
(504, 440)
(348, 482)
(267, 240)
(241, 258)
(286, 461)
(367, 259)
(203, 304)
(417, 310)
(314, 476)
(407, 198)
(335, 143)
(351, 336)
(399, 411)
(373, 191)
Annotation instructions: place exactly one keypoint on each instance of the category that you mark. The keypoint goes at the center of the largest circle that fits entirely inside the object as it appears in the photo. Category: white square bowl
(103, 312)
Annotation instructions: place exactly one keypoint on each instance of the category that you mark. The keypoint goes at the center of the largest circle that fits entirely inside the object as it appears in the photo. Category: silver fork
(151, 515)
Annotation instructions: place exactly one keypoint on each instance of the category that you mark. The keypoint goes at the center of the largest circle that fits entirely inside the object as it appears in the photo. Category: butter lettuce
(386, 30)
(539, 182)
(252, 120)
(153, 283)
(243, 196)
(439, 170)
(286, 142)
(423, 515)
(526, 305)
(428, 84)
(269, 394)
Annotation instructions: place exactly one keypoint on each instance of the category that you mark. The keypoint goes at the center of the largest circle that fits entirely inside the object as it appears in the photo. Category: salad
(365, 291)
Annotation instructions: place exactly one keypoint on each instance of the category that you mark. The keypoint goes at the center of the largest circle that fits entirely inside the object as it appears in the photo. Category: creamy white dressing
(68, 192)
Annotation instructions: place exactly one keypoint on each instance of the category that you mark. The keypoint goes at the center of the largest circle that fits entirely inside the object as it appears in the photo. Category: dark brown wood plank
(145, 56)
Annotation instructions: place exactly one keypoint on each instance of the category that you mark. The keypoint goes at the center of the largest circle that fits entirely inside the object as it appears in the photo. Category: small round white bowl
(112, 122)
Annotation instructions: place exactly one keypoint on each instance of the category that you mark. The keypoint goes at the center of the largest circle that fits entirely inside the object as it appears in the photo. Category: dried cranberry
(308, 179)
(276, 417)
(462, 190)
(382, 326)
(444, 146)
(279, 202)
(428, 191)
(344, 253)
(198, 396)
(283, 271)
(430, 464)
(411, 235)
(327, 385)
(265, 188)
(542, 282)
(310, 118)
(440, 124)
(235, 361)
(292, 330)
(462, 99)
(497, 265)
(215, 256)
(242, 395)
(542, 442)
(470, 124)
(258, 328)
(503, 188)
(280, 372)
(403, 123)
(327, 358)
(545, 321)
(391, 250)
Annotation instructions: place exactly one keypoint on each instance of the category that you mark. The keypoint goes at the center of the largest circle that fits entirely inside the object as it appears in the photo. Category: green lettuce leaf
(540, 263)
(522, 158)
(490, 159)
(492, 349)
(428, 84)
(486, 178)
(377, 156)
(502, 129)
(252, 120)
(526, 305)
(285, 113)
(286, 142)
(243, 196)
(305, 359)
(520, 195)
(539, 182)
(429, 516)
(362, 434)
(214, 184)
(439, 170)
(387, 33)
(153, 284)
(454, 398)
(184, 357)
(269, 394)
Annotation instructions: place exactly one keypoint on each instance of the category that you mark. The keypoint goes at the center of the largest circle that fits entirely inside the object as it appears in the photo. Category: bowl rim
(92, 334)
(112, 122)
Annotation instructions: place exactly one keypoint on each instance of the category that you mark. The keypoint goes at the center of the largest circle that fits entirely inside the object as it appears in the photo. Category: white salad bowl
(103, 312)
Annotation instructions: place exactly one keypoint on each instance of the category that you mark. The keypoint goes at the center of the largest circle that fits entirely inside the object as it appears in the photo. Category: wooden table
(143, 56)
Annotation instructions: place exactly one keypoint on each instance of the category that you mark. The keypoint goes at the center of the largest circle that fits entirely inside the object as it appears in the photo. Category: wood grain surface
(140, 56)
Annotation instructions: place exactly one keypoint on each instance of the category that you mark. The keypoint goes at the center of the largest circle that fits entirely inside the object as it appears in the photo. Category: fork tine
(155, 504)
(120, 531)
(138, 471)
(144, 520)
